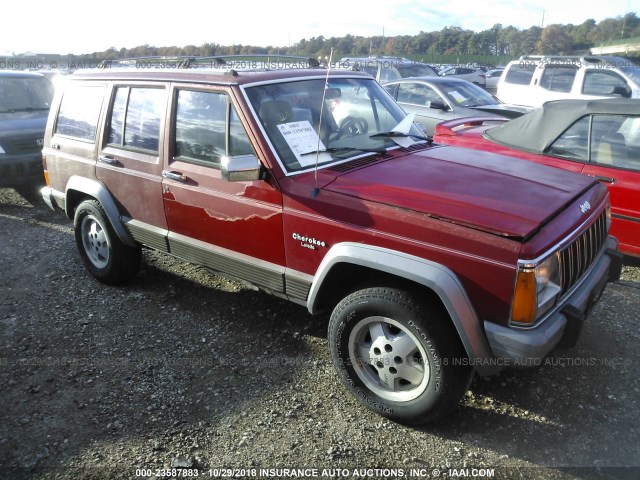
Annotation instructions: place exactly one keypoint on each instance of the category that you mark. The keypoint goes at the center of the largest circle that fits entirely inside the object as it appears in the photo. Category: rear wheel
(400, 358)
(103, 253)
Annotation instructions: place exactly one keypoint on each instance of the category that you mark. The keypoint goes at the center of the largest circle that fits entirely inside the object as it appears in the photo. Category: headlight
(537, 289)
(2, 150)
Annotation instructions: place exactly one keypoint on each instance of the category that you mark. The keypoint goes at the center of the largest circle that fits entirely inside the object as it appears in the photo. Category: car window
(520, 74)
(79, 111)
(417, 94)
(573, 143)
(388, 73)
(615, 141)
(599, 82)
(136, 116)
(558, 78)
(416, 70)
(239, 143)
(466, 94)
(392, 89)
(201, 128)
(26, 93)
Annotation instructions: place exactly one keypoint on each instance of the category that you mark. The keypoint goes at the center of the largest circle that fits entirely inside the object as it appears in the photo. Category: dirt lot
(182, 369)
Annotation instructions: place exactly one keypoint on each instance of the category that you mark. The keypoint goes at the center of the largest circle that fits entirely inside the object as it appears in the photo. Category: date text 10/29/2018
(316, 473)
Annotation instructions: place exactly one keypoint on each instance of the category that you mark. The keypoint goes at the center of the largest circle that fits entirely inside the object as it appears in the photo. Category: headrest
(275, 112)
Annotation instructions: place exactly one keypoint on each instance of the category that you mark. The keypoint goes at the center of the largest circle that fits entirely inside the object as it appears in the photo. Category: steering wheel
(352, 126)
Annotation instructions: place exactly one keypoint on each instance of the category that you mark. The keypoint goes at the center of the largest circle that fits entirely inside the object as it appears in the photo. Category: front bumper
(527, 347)
(20, 169)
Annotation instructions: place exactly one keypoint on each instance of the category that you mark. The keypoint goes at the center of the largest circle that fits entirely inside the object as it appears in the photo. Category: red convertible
(599, 138)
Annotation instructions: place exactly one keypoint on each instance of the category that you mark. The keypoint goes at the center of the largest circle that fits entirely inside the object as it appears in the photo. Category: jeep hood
(493, 193)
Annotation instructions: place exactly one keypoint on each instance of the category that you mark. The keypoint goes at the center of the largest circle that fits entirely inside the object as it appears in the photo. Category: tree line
(499, 40)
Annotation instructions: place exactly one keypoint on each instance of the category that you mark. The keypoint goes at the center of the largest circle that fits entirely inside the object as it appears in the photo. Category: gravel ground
(188, 371)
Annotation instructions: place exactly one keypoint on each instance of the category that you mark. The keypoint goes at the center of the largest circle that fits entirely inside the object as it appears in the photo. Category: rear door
(129, 158)
(70, 146)
(232, 227)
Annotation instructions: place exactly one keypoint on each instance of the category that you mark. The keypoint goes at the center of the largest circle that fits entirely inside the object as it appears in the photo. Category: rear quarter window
(79, 111)
(519, 74)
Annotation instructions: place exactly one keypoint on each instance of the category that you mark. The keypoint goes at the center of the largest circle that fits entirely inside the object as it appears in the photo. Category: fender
(432, 275)
(98, 191)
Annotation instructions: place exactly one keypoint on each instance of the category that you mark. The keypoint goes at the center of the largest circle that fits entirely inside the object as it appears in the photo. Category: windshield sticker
(302, 140)
(457, 96)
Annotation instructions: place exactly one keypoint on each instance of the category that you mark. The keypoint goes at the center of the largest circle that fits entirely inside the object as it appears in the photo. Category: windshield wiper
(393, 133)
(344, 149)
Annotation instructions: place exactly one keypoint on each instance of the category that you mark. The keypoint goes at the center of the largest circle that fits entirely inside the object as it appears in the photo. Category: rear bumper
(55, 200)
(527, 347)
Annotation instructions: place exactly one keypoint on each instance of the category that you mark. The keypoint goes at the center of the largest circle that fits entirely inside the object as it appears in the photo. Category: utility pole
(542, 24)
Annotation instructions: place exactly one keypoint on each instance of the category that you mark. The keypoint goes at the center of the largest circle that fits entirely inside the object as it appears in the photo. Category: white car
(471, 74)
(534, 80)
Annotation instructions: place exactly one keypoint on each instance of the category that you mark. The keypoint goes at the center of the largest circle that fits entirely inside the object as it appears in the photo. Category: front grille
(576, 258)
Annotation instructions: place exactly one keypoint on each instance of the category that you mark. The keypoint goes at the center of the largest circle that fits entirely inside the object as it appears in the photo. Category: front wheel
(398, 357)
(103, 253)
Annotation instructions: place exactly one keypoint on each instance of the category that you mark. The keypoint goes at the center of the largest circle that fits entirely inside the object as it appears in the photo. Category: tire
(106, 257)
(398, 357)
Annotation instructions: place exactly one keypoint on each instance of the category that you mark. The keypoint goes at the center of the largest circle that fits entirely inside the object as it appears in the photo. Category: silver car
(492, 77)
(436, 99)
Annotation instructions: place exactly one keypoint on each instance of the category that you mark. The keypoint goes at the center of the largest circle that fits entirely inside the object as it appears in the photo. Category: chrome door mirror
(242, 168)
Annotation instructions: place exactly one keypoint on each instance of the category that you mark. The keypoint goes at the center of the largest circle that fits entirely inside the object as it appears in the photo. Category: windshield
(466, 94)
(25, 94)
(357, 118)
(633, 72)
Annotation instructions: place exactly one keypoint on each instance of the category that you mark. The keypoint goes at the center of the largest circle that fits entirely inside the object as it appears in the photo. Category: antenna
(316, 190)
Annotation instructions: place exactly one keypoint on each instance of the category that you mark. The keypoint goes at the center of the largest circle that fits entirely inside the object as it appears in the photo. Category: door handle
(177, 176)
(108, 160)
(605, 179)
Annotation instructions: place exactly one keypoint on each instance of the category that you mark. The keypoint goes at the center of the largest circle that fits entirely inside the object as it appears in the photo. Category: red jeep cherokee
(315, 186)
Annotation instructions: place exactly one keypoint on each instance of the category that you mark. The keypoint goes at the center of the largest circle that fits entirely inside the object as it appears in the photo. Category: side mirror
(243, 168)
(437, 105)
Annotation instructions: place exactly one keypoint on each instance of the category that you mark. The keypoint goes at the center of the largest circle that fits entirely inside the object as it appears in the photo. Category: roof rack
(217, 62)
(593, 59)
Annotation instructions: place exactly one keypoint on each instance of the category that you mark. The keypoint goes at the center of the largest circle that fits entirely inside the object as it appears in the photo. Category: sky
(74, 26)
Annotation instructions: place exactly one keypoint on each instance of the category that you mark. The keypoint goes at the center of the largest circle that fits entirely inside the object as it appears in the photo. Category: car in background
(599, 138)
(472, 74)
(385, 68)
(535, 79)
(25, 99)
(437, 99)
(492, 77)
